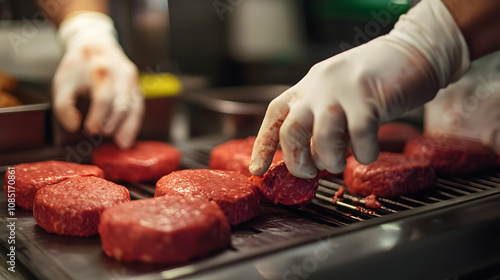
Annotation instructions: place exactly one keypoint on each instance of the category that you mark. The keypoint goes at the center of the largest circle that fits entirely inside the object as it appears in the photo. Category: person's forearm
(479, 22)
(62, 10)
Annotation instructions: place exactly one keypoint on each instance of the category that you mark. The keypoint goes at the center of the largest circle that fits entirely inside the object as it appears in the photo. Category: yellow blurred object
(159, 84)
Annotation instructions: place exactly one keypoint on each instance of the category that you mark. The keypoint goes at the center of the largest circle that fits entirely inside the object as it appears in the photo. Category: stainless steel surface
(23, 127)
(245, 100)
(233, 112)
(436, 234)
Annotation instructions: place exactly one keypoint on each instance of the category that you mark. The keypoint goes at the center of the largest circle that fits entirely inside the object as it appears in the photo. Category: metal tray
(24, 127)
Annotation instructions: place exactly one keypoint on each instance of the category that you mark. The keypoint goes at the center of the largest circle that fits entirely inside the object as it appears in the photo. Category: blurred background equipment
(180, 49)
(274, 41)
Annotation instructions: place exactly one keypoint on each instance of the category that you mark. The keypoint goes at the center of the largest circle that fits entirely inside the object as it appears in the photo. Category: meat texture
(338, 195)
(146, 161)
(233, 192)
(390, 175)
(30, 177)
(74, 206)
(392, 137)
(451, 155)
(372, 202)
(278, 185)
(235, 155)
(169, 229)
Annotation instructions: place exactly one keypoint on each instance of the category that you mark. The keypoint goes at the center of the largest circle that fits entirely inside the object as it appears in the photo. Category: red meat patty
(146, 161)
(280, 186)
(452, 155)
(392, 137)
(30, 177)
(233, 192)
(390, 175)
(74, 206)
(169, 229)
(235, 155)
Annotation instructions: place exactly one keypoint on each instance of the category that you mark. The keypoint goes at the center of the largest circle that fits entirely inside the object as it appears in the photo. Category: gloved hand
(350, 95)
(471, 106)
(94, 62)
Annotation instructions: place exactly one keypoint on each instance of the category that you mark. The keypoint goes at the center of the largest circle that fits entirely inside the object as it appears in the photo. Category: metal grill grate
(351, 208)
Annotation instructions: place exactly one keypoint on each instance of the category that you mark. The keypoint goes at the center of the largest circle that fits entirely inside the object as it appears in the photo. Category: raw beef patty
(452, 155)
(235, 155)
(30, 177)
(169, 229)
(278, 185)
(74, 206)
(390, 175)
(392, 137)
(233, 192)
(146, 161)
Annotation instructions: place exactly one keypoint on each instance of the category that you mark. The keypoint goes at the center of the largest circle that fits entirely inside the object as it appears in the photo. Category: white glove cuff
(431, 29)
(87, 27)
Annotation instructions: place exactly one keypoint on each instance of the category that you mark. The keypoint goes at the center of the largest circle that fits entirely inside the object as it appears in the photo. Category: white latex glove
(471, 106)
(351, 94)
(94, 62)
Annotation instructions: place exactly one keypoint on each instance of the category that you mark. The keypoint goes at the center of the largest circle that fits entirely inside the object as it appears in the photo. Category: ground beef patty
(390, 175)
(169, 229)
(30, 177)
(146, 161)
(392, 137)
(452, 155)
(278, 185)
(235, 155)
(74, 206)
(233, 192)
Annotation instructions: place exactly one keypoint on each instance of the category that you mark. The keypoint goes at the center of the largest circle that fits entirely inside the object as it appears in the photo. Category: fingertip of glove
(108, 128)
(333, 163)
(366, 157)
(124, 143)
(305, 171)
(70, 120)
(338, 167)
(90, 128)
(257, 168)
(364, 147)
